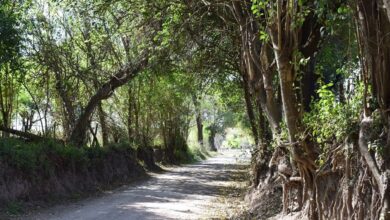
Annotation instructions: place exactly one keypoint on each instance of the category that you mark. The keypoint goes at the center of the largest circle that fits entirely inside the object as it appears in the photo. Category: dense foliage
(307, 79)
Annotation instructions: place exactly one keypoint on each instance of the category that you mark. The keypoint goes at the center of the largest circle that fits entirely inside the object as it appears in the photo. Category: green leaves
(10, 34)
(258, 6)
(264, 36)
(331, 120)
(171, 20)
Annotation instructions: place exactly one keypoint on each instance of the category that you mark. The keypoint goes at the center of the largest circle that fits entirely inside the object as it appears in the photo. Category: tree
(11, 69)
(372, 25)
(127, 62)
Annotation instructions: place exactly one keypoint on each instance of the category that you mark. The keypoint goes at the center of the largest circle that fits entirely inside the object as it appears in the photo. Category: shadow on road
(180, 193)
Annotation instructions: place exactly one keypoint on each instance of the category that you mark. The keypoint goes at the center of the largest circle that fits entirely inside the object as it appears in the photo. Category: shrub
(46, 156)
(331, 119)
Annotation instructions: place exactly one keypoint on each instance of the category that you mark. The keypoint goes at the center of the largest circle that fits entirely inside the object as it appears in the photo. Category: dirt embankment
(64, 179)
(187, 192)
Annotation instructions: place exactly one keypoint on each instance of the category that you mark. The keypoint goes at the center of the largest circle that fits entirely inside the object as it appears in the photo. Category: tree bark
(289, 99)
(26, 135)
(199, 121)
(249, 109)
(7, 96)
(69, 115)
(258, 64)
(130, 115)
(103, 124)
(286, 40)
(373, 26)
(124, 75)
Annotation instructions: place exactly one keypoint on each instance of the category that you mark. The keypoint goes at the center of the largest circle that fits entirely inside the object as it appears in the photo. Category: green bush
(46, 156)
(331, 119)
(196, 154)
(14, 208)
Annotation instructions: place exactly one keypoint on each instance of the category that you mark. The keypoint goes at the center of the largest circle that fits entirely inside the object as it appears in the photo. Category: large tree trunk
(258, 64)
(267, 90)
(249, 109)
(199, 121)
(213, 132)
(25, 135)
(137, 109)
(130, 130)
(69, 115)
(124, 75)
(290, 102)
(103, 124)
(170, 139)
(373, 23)
(286, 40)
(7, 96)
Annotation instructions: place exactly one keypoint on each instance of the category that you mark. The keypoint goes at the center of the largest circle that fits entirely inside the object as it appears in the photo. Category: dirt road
(188, 192)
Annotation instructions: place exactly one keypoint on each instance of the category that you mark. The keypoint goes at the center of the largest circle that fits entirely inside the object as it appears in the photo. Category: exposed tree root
(345, 186)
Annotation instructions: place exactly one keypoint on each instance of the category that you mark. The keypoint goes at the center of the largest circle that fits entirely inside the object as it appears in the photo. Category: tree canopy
(308, 80)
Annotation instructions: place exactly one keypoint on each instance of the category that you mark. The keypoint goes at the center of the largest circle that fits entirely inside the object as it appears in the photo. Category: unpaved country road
(188, 192)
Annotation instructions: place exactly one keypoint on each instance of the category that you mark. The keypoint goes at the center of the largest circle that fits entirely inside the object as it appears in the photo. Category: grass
(14, 208)
(197, 154)
(29, 157)
(36, 162)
